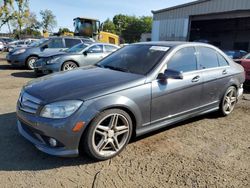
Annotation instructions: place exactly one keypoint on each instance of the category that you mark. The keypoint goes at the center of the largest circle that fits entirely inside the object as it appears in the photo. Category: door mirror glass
(170, 74)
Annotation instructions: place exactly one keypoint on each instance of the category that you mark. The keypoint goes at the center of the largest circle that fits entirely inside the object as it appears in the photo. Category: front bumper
(16, 60)
(42, 146)
(38, 130)
(42, 67)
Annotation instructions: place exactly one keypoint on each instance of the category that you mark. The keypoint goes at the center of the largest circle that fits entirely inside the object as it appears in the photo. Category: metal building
(224, 23)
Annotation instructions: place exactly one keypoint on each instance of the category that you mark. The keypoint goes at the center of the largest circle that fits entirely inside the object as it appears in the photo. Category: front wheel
(69, 66)
(108, 134)
(30, 62)
(229, 101)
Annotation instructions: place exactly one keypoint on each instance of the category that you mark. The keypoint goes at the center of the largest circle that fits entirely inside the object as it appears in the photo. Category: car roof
(165, 43)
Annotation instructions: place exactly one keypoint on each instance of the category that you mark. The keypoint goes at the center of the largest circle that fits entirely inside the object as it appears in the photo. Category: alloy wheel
(230, 100)
(110, 134)
(69, 66)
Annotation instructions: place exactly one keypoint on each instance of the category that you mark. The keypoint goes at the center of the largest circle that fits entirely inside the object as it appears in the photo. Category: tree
(48, 20)
(109, 26)
(6, 13)
(14, 10)
(62, 31)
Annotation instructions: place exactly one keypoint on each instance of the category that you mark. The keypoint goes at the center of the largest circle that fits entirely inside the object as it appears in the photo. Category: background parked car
(3, 42)
(26, 56)
(80, 55)
(18, 44)
(235, 54)
(245, 62)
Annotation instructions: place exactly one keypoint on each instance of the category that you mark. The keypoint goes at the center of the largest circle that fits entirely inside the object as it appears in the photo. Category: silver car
(80, 55)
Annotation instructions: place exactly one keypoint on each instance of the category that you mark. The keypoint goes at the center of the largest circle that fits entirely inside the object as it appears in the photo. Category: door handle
(224, 72)
(196, 79)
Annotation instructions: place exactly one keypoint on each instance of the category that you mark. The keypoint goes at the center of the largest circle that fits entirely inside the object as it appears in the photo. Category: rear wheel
(30, 62)
(108, 134)
(69, 65)
(229, 101)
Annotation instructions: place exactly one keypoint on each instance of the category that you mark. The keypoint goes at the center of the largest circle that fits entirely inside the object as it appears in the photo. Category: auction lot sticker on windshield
(159, 48)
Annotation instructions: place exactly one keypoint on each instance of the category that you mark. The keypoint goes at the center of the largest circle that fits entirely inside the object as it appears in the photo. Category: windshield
(138, 59)
(38, 42)
(77, 48)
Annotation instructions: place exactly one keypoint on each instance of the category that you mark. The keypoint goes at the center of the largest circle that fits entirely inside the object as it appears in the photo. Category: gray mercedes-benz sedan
(137, 89)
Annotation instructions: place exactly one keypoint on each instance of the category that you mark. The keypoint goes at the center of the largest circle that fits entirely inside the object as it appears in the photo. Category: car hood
(83, 84)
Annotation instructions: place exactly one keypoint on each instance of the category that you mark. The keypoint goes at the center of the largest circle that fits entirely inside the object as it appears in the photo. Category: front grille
(28, 103)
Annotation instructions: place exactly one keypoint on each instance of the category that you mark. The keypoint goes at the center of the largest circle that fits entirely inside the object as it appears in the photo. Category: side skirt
(170, 121)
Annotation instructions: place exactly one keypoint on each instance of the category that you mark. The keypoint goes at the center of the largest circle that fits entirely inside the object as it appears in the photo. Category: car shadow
(17, 154)
(24, 74)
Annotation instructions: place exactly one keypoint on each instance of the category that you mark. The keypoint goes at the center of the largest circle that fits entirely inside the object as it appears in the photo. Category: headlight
(61, 109)
(53, 60)
(19, 51)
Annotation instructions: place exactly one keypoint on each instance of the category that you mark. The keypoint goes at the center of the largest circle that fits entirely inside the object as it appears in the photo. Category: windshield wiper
(116, 68)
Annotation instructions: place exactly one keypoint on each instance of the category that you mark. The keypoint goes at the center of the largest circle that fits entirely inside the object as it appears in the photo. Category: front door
(177, 97)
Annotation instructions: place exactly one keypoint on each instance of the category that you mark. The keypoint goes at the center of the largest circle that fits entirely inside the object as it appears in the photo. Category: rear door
(177, 97)
(109, 49)
(215, 71)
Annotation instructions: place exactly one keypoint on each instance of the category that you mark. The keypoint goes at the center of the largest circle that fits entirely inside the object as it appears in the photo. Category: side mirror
(170, 74)
(85, 53)
(44, 47)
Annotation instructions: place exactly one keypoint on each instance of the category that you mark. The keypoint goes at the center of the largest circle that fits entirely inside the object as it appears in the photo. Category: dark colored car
(80, 55)
(235, 54)
(26, 56)
(137, 89)
(245, 62)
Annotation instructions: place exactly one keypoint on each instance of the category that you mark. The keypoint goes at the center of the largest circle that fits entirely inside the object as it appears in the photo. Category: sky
(66, 10)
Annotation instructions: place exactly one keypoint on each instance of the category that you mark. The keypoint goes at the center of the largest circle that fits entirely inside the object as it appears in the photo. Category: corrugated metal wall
(173, 23)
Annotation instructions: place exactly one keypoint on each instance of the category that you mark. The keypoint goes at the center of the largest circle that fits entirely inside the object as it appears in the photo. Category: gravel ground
(207, 151)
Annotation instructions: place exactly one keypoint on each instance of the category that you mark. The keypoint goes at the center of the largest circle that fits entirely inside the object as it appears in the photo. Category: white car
(1, 46)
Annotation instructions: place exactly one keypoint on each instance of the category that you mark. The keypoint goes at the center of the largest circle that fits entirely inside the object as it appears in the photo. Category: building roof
(179, 6)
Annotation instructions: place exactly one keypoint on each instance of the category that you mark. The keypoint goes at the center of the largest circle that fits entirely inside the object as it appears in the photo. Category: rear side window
(56, 43)
(109, 48)
(184, 60)
(71, 42)
(222, 60)
(207, 58)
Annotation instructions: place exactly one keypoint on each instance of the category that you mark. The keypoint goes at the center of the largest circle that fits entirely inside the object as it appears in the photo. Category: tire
(107, 135)
(69, 65)
(30, 62)
(228, 101)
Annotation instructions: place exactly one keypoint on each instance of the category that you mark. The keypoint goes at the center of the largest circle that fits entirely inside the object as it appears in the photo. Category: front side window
(207, 58)
(56, 43)
(183, 61)
(96, 49)
(137, 59)
(109, 48)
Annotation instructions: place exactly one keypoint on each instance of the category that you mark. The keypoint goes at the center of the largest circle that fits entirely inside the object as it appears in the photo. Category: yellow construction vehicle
(88, 27)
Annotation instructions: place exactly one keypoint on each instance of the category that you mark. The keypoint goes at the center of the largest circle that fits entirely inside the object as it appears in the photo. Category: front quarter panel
(136, 100)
